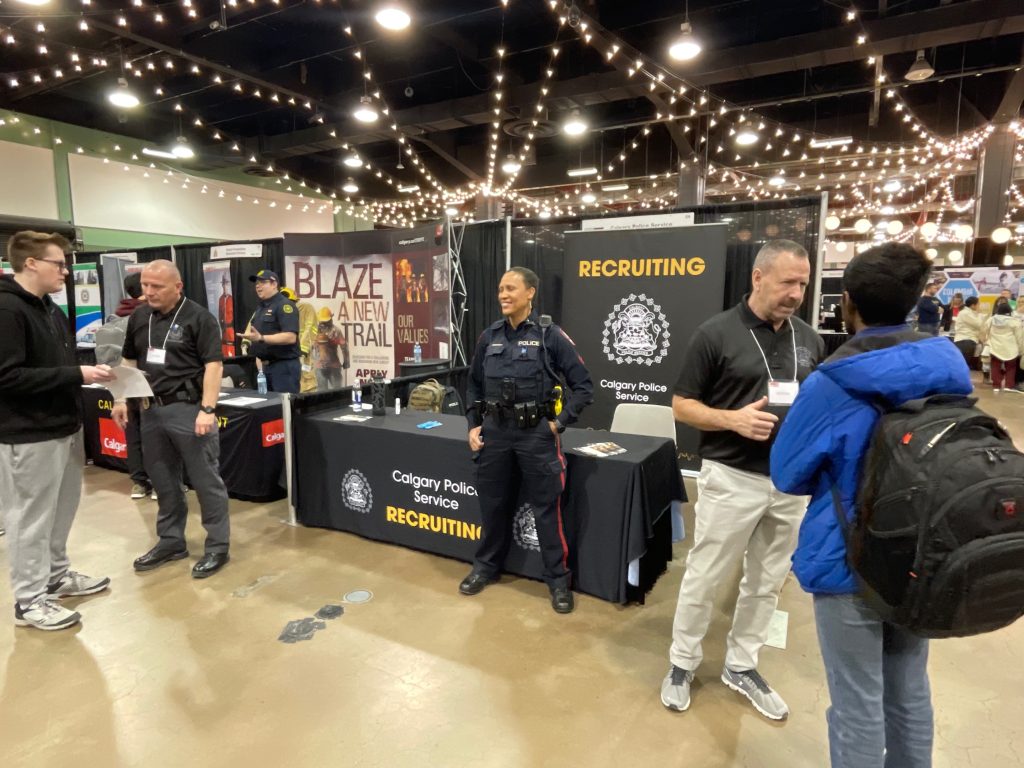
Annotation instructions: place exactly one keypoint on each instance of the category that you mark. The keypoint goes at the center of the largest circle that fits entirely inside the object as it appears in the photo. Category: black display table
(251, 442)
(385, 479)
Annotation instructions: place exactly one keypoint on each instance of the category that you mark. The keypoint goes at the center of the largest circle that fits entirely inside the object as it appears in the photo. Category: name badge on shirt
(156, 356)
(782, 392)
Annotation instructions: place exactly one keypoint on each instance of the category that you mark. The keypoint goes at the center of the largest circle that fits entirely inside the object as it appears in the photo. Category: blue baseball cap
(264, 274)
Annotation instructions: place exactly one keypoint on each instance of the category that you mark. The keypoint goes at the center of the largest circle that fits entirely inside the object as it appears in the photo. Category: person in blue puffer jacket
(881, 713)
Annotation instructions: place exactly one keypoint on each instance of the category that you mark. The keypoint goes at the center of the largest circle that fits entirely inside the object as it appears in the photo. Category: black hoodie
(40, 383)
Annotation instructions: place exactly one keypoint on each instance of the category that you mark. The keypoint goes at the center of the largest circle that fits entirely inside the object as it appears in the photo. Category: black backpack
(938, 541)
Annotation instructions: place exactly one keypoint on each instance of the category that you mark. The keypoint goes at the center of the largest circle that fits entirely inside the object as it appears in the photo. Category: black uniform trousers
(531, 459)
(283, 375)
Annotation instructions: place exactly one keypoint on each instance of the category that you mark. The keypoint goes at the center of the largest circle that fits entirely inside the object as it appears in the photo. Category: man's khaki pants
(739, 516)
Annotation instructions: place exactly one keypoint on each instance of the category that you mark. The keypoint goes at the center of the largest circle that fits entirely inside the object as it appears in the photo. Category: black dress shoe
(561, 600)
(157, 557)
(210, 564)
(474, 583)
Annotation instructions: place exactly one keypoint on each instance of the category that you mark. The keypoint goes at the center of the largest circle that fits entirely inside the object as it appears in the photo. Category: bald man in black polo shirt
(176, 343)
(742, 371)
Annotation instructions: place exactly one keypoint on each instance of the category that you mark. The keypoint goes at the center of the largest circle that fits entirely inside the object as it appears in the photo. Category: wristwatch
(207, 409)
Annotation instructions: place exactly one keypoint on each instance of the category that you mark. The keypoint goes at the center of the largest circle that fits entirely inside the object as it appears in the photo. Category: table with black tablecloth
(388, 480)
(251, 442)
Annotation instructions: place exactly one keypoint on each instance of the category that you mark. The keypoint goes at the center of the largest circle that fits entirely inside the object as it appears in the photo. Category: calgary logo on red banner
(273, 432)
(112, 439)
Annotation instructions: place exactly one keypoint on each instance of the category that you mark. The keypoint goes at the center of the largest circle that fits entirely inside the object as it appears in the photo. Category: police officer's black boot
(561, 599)
(474, 583)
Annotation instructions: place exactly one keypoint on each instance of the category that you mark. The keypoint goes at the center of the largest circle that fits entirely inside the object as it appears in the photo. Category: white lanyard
(795, 368)
(168, 330)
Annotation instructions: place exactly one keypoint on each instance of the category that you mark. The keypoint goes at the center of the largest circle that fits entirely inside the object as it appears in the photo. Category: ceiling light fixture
(34, 2)
(964, 232)
(365, 112)
(894, 227)
(862, 226)
(685, 47)
(511, 165)
(353, 160)
(929, 230)
(892, 185)
(451, 211)
(920, 69)
(1008, 260)
(392, 16)
(577, 172)
(122, 97)
(777, 181)
(615, 187)
(831, 143)
(832, 223)
(1001, 235)
(575, 125)
(588, 197)
(931, 253)
(350, 187)
(955, 257)
(158, 153)
(181, 149)
(410, 188)
(747, 137)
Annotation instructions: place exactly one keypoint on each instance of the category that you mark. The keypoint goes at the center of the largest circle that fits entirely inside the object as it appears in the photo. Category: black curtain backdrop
(483, 264)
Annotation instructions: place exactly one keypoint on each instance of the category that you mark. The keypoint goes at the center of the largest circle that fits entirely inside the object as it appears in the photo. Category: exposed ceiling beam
(946, 25)
(1013, 97)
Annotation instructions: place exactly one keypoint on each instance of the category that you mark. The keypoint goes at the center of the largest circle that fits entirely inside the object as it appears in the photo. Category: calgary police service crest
(524, 529)
(355, 491)
(636, 331)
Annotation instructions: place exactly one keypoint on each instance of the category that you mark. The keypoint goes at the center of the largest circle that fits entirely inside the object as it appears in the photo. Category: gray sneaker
(46, 614)
(756, 688)
(75, 584)
(140, 491)
(675, 689)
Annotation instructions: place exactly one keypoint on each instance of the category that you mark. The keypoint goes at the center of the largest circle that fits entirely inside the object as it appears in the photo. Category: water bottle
(357, 395)
(261, 383)
(417, 353)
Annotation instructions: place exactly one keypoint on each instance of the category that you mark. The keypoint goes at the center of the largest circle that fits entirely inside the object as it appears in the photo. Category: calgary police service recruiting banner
(631, 301)
(387, 290)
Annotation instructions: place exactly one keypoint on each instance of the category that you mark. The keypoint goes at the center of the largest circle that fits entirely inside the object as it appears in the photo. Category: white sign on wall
(237, 251)
(654, 221)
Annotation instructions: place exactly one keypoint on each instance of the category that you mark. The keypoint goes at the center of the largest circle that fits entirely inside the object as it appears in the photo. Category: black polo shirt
(724, 369)
(192, 340)
(277, 314)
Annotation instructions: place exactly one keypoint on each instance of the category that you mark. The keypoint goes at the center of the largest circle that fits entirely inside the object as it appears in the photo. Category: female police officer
(518, 407)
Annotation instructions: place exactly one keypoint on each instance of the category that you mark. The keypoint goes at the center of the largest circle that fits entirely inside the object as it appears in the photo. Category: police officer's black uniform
(510, 389)
(280, 361)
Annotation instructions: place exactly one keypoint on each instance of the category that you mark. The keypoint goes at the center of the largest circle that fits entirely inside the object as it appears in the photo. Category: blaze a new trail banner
(631, 301)
(387, 290)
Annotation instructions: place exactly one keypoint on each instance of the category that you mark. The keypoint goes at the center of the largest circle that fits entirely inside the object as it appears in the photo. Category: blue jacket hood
(827, 432)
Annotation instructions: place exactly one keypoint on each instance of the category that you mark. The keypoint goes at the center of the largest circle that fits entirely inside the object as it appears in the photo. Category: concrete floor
(168, 671)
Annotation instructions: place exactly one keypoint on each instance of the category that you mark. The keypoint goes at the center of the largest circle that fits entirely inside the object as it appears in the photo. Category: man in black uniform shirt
(741, 373)
(514, 429)
(177, 344)
(275, 334)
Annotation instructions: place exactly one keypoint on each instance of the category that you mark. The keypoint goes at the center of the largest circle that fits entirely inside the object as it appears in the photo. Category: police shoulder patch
(288, 308)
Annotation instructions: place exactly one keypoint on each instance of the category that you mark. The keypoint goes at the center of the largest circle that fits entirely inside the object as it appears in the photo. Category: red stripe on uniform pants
(558, 504)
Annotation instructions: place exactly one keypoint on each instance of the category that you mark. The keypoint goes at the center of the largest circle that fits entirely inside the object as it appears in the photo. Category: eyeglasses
(62, 265)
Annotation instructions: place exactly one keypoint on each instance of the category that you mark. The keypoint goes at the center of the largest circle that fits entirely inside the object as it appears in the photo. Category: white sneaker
(756, 689)
(75, 584)
(46, 614)
(675, 689)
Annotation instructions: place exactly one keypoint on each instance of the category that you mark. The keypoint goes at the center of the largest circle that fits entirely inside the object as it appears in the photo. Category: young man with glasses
(41, 453)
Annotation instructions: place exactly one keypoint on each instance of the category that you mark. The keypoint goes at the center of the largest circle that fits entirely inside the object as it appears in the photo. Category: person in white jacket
(1006, 343)
(969, 328)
